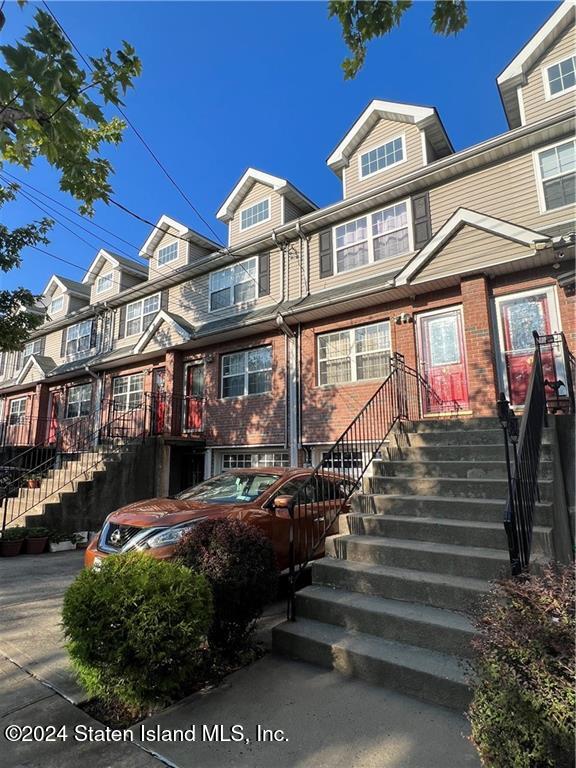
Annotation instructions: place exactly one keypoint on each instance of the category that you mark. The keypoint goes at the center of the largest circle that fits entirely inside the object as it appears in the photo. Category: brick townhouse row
(261, 353)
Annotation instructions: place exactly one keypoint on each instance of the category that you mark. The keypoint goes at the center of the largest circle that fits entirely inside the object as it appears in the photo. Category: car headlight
(166, 538)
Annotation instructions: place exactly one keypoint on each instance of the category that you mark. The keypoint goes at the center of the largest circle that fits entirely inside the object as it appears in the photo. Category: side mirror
(283, 506)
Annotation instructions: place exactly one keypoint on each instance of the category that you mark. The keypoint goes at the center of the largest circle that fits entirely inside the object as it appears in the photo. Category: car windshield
(230, 488)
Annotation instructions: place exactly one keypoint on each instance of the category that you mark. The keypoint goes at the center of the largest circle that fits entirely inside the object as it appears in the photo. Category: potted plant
(33, 481)
(62, 542)
(36, 540)
(12, 540)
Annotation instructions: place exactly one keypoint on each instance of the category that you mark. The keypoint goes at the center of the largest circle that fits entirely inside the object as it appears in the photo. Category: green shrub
(522, 713)
(239, 562)
(136, 629)
(37, 533)
(16, 533)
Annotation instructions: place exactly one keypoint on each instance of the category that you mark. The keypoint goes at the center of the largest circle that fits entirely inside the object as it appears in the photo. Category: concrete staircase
(425, 537)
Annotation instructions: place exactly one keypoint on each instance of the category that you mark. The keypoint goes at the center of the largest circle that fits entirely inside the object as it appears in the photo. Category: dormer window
(386, 155)
(560, 77)
(255, 214)
(56, 305)
(555, 167)
(104, 282)
(168, 253)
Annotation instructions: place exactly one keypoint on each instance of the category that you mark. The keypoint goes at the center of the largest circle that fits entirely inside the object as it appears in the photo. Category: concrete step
(453, 423)
(454, 487)
(471, 562)
(458, 453)
(443, 468)
(448, 531)
(439, 590)
(424, 674)
(410, 623)
(461, 437)
(481, 510)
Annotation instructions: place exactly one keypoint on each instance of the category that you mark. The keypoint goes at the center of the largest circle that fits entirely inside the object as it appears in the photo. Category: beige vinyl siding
(75, 303)
(65, 306)
(291, 211)
(383, 131)
(257, 193)
(506, 190)
(155, 269)
(352, 276)
(164, 338)
(534, 93)
(33, 375)
(128, 281)
(190, 300)
(468, 250)
(53, 345)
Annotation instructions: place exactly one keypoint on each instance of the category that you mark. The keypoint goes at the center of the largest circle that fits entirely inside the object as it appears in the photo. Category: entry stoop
(389, 603)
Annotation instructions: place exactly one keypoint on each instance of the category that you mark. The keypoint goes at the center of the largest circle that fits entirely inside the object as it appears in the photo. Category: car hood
(152, 513)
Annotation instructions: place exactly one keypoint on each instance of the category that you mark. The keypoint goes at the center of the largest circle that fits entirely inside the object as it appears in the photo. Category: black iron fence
(317, 502)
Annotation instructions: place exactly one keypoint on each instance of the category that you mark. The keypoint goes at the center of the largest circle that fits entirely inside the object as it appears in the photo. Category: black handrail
(526, 443)
(318, 502)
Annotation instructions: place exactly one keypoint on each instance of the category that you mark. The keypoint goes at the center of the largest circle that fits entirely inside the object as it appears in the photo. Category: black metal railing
(559, 373)
(80, 450)
(525, 439)
(315, 506)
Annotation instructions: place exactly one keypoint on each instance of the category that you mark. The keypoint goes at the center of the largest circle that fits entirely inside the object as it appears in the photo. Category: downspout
(291, 399)
(280, 247)
(304, 243)
(97, 399)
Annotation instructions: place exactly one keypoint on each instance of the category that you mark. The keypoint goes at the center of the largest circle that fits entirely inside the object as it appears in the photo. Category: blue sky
(231, 85)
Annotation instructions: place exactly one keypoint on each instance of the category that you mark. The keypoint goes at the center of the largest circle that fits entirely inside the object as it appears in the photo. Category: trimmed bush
(239, 562)
(522, 713)
(136, 629)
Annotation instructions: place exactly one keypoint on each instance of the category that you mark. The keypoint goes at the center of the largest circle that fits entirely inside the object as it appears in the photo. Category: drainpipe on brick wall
(304, 263)
(291, 393)
(97, 377)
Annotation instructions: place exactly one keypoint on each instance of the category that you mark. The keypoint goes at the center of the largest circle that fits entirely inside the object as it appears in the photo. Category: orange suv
(156, 525)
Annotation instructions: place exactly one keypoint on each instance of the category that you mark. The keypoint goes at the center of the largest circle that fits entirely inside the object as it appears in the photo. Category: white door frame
(555, 327)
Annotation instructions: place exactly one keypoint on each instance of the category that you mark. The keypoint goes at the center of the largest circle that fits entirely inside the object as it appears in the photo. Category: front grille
(119, 535)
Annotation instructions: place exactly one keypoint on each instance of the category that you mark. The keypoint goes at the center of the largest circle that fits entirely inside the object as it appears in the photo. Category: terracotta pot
(10, 548)
(35, 546)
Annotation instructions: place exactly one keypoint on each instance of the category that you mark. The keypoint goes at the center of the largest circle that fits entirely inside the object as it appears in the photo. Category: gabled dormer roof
(116, 261)
(164, 224)
(425, 118)
(44, 365)
(515, 73)
(66, 286)
(282, 186)
(183, 329)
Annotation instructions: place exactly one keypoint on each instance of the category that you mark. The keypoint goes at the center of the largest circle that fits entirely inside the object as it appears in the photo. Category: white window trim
(371, 238)
(89, 400)
(544, 70)
(116, 396)
(107, 275)
(21, 414)
(246, 373)
(167, 245)
(253, 205)
(540, 180)
(129, 320)
(55, 311)
(353, 369)
(365, 150)
(26, 355)
(77, 354)
(240, 304)
(555, 323)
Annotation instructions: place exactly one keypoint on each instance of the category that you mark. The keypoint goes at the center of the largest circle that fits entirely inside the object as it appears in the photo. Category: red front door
(442, 352)
(520, 317)
(194, 397)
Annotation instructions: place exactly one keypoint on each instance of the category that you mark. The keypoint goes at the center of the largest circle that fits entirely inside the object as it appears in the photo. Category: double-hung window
(168, 253)
(79, 401)
(247, 373)
(104, 282)
(255, 214)
(79, 338)
(234, 285)
(382, 235)
(555, 168)
(384, 156)
(56, 305)
(561, 77)
(354, 354)
(32, 348)
(17, 411)
(127, 391)
(139, 314)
